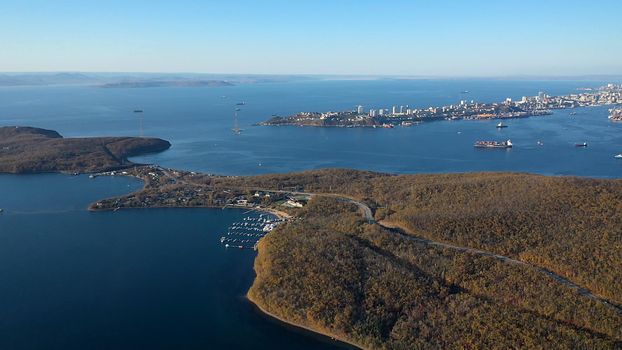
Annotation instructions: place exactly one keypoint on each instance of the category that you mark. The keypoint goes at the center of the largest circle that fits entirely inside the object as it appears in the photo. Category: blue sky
(390, 37)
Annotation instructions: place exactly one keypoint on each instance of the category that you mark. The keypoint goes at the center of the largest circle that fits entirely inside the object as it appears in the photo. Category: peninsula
(383, 261)
(35, 150)
(408, 261)
(468, 110)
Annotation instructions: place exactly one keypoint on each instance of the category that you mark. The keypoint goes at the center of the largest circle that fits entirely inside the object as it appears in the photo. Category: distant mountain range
(140, 80)
(146, 80)
(18, 79)
(166, 83)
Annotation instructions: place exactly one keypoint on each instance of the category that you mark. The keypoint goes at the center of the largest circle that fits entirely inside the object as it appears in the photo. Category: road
(367, 214)
(407, 234)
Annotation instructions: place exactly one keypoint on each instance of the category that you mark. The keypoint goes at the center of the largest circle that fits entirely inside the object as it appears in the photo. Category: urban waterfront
(198, 123)
(528, 106)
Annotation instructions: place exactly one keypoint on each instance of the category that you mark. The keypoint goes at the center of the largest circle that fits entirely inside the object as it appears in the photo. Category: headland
(412, 261)
(540, 105)
(35, 150)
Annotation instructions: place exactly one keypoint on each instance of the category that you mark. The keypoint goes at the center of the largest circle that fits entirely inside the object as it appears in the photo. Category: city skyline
(398, 38)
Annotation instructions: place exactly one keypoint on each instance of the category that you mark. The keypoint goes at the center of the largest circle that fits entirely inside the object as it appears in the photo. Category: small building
(293, 204)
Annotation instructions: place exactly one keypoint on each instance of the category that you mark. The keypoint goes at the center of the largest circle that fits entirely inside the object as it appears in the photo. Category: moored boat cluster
(246, 234)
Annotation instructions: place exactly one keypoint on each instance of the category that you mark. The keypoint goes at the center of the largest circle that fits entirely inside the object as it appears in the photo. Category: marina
(160, 253)
(140, 260)
(246, 234)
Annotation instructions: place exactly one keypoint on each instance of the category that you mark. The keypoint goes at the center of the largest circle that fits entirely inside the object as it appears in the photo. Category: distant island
(465, 110)
(384, 261)
(141, 79)
(35, 150)
(166, 83)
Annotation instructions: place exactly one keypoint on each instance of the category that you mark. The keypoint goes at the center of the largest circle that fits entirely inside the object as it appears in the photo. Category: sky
(343, 37)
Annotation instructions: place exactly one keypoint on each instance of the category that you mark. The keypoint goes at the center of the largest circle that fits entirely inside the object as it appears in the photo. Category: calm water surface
(159, 278)
(198, 121)
(133, 279)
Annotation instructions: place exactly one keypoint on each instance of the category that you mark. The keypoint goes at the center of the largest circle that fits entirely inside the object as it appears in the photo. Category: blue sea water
(159, 278)
(132, 279)
(198, 122)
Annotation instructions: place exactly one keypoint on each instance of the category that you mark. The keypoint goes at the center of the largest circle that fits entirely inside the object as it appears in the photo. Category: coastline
(277, 213)
(533, 106)
(329, 337)
(324, 336)
(156, 178)
(91, 207)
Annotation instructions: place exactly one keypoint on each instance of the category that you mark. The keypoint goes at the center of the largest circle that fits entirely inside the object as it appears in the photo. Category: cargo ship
(493, 144)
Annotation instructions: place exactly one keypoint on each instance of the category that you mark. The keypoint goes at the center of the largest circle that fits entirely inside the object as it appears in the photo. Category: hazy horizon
(189, 74)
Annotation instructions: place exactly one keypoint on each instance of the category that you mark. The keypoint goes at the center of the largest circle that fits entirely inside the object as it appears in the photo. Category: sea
(159, 278)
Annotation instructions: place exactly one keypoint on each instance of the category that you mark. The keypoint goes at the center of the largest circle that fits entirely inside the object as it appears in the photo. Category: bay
(132, 279)
(159, 278)
(198, 122)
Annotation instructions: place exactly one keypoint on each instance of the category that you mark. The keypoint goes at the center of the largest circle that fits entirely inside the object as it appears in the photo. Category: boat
(540, 143)
(464, 91)
(501, 126)
(138, 111)
(617, 156)
(493, 144)
(240, 103)
(1, 210)
(615, 115)
(584, 144)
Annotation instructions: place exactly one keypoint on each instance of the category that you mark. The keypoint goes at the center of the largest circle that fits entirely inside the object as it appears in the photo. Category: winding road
(407, 234)
(367, 214)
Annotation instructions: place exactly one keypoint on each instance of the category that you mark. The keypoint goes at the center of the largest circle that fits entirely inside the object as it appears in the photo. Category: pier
(247, 233)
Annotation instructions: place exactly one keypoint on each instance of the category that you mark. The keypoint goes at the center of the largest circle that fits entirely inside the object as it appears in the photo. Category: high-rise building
(381, 111)
(372, 112)
(394, 110)
(360, 109)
